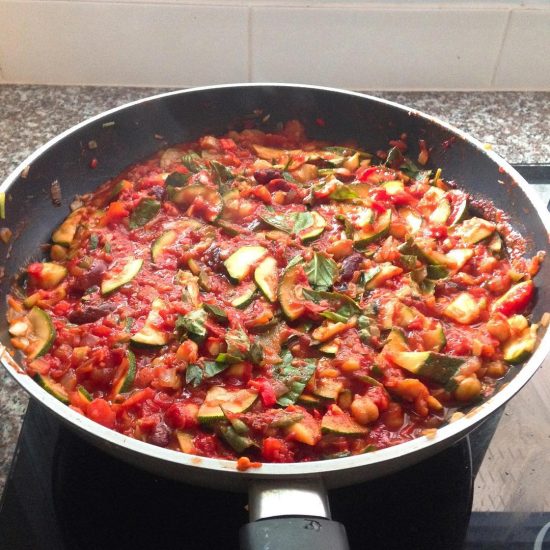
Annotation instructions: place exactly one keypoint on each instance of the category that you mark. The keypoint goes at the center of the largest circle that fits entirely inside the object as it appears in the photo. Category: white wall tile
(120, 43)
(524, 62)
(377, 49)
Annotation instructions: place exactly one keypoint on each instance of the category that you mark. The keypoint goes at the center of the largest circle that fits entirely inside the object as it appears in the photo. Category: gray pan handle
(291, 517)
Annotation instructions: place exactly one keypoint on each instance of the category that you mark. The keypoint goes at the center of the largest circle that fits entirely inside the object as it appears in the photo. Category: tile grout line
(499, 55)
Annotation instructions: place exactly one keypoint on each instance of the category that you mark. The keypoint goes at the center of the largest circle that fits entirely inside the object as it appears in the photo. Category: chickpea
(496, 369)
(499, 328)
(393, 418)
(350, 364)
(345, 399)
(364, 410)
(468, 389)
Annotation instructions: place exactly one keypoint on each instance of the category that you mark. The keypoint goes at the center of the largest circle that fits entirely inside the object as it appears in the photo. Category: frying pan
(288, 502)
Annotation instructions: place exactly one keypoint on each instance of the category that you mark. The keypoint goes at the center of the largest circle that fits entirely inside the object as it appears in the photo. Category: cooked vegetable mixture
(265, 296)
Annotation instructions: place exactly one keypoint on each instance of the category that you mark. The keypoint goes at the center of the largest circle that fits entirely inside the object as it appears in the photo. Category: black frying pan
(288, 503)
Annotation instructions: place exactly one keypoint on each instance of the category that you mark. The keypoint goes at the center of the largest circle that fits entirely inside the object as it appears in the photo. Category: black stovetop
(64, 494)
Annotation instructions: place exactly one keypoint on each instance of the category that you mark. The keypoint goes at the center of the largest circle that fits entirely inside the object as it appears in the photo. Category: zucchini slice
(330, 348)
(315, 229)
(42, 331)
(185, 198)
(244, 299)
(150, 335)
(290, 292)
(396, 341)
(53, 388)
(412, 218)
(65, 233)
(434, 339)
(474, 230)
(441, 213)
(267, 278)
(114, 280)
(380, 229)
(434, 366)
(463, 309)
(126, 375)
(50, 275)
(521, 348)
(232, 401)
(341, 424)
(328, 388)
(458, 257)
(386, 271)
(162, 243)
(393, 187)
(241, 262)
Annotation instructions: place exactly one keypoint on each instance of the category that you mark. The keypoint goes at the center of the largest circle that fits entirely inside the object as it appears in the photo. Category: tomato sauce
(265, 297)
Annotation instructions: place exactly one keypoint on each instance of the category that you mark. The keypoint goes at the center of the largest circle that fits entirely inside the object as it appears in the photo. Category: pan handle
(290, 517)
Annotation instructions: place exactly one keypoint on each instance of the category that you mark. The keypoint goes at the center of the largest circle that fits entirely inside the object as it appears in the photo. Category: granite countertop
(514, 123)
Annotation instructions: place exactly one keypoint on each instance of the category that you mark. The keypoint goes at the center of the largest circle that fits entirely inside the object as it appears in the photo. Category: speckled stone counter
(515, 124)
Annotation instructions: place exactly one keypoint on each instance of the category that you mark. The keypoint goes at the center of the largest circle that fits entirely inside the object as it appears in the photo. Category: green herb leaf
(218, 313)
(302, 221)
(94, 241)
(193, 375)
(193, 324)
(238, 343)
(295, 261)
(341, 303)
(336, 317)
(225, 358)
(321, 271)
(278, 221)
(177, 179)
(395, 158)
(343, 193)
(211, 368)
(288, 177)
(107, 248)
(128, 322)
(192, 162)
(222, 174)
(293, 377)
(256, 353)
(146, 210)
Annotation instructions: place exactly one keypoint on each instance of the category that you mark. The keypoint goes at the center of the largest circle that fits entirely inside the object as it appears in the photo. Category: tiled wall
(359, 44)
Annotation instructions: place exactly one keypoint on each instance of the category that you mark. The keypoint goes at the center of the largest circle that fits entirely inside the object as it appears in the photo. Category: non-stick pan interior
(130, 134)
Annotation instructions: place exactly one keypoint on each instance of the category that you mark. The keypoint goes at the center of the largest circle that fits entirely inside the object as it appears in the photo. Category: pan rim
(449, 432)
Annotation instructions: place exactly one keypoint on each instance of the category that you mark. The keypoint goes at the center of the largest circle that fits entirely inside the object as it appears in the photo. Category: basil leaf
(192, 162)
(177, 179)
(395, 158)
(128, 324)
(107, 248)
(256, 353)
(293, 377)
(288, 177)
(343, 193)
(295, 261)
(343, 304)
(218, 313)
(409, 168)
(302, 221)
(94, 241)
(211, 368)
(193, 375)
(238, 343)
(321, 271)
(146, 210)
(283, 223)
(228, 359)
(222, 175)
(336, 317)
(193, 324)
